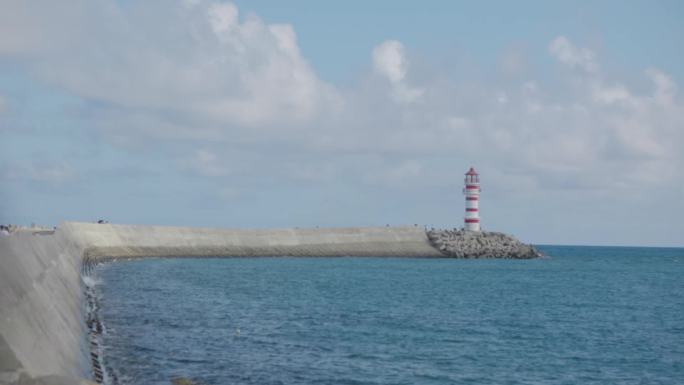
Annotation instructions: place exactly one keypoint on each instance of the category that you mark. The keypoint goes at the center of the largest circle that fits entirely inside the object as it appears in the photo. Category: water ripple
(586, 316)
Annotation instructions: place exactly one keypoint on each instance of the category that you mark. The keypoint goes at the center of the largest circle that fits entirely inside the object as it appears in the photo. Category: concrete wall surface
(127, 241)
(41, 320)
(42, 332)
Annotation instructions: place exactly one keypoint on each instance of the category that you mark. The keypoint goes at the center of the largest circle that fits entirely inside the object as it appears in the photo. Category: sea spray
(96, 329)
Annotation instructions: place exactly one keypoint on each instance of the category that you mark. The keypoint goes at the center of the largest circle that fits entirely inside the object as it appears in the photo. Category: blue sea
(586, 315)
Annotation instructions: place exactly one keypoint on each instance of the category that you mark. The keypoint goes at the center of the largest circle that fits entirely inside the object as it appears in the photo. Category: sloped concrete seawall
(42, 331)
(123, 241)
(42, 339)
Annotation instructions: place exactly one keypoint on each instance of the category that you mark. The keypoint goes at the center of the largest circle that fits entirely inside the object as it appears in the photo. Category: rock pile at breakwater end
(480, 244)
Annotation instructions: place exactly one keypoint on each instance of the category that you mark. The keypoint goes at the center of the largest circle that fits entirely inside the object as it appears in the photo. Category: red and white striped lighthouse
(472, 196)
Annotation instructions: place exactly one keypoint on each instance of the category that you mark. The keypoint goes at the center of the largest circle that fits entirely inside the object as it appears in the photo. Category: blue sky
(637, 34)
(304, 113)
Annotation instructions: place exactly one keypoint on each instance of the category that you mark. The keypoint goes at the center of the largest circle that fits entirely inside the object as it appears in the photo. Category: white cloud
(223, 18)
(597, 134)
(389, 60)
(228, 194)
(513, 61)
(611, 94)
(206, 163)
(409, 169)
(53, 173)
(665, 88)
(197, 59)
(502, 97)
(191, 3)
(201, 71)
(572, 56)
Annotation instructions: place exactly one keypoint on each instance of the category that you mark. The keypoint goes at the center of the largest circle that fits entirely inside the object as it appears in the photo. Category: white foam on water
(90, 281)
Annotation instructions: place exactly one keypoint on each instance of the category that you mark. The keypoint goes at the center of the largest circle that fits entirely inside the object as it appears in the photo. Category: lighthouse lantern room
(472, 196)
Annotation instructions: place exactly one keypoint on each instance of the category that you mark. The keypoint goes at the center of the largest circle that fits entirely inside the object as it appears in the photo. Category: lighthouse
(472, 196)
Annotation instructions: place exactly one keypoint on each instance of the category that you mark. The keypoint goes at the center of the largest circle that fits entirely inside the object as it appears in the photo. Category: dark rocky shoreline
(480, 244)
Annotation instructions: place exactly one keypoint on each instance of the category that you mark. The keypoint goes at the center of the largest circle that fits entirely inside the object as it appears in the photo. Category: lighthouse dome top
(472, 172)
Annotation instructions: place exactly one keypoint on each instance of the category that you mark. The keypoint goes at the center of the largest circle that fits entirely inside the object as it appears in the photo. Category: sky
(259, 114)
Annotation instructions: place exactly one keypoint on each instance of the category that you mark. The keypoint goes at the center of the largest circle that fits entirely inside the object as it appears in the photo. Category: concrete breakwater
(42, 333)
(42, 311)
(481, 244)
(104, 241)
(43, 323)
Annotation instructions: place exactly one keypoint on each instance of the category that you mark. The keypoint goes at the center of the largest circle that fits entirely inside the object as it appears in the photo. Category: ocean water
(587, 315)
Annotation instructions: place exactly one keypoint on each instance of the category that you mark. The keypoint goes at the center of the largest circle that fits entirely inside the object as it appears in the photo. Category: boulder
(480, 244)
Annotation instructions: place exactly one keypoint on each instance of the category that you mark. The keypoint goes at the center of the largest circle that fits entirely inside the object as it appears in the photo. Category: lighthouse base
(472, 226)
